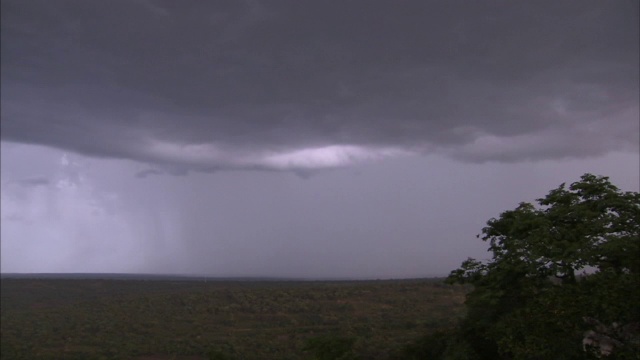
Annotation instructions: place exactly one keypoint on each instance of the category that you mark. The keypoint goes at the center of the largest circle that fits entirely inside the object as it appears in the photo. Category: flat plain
(92, 318)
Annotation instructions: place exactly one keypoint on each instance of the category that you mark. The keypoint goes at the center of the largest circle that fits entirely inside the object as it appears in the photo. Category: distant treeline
(177, 277)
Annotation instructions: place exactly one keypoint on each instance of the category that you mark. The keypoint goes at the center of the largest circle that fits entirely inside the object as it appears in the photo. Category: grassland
(154, 319)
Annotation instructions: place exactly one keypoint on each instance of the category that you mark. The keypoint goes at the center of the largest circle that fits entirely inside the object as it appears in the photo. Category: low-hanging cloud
(33, 182)
(302, 85)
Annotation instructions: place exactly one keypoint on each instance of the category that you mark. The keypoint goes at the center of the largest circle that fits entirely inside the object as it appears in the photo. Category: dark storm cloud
(308, 84)
(148, 172)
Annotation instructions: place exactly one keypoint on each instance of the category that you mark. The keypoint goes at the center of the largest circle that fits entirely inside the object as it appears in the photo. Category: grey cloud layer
(228, 84)
(33, 182)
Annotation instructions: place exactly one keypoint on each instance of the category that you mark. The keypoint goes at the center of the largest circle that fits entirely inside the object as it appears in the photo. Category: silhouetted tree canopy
(562, 283)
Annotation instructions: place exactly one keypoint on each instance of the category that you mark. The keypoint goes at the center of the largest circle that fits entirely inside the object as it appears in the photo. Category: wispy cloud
(33, 182)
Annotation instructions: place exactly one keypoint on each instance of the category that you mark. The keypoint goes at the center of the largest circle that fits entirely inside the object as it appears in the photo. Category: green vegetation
(132, 319)
(563, 282)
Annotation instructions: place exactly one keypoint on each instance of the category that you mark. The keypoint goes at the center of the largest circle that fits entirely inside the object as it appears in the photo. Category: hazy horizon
(194, 277)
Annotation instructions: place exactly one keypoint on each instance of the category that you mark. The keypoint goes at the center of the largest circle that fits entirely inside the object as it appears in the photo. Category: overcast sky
(362, 139)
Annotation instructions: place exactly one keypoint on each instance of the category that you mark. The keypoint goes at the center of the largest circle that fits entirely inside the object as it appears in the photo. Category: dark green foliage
(180, 320)
(218, 355)
(428, 346)
(331, 347)
(573, 258)
(450, 344)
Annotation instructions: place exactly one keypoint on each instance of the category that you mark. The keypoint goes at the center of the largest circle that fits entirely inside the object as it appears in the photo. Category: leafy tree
(562, 273)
